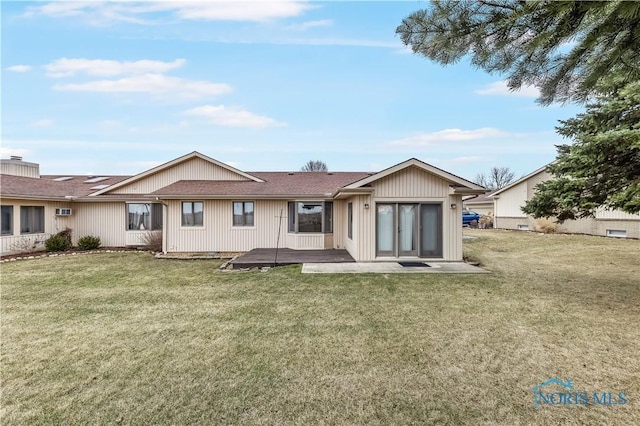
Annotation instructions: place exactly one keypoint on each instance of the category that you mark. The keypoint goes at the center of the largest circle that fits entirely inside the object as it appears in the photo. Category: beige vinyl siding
(104, 220)
(339, 224)
(452, 229)
(411, 182)
(52, 224)
(305, 241)
(364, 228)
(411, 185)
(217, 232)
(193, 169)
(20, 168)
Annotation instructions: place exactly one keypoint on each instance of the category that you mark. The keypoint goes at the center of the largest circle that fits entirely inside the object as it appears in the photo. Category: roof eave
(241, 197)
(348, 192)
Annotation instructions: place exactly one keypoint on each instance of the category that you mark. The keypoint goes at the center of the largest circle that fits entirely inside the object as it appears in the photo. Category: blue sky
(118, 87)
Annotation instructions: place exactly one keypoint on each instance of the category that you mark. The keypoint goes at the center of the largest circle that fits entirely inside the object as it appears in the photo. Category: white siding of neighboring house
(193, 169)
(509, 216)
(508, 202)
(480, 208)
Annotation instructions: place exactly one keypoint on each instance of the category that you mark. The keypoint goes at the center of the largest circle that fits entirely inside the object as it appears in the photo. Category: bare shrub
(152, 240)
(486, 222)
(24, 245)
(546, 226)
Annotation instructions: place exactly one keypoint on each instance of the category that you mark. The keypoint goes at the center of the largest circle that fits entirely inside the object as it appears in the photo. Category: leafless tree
(315, 166)
(498, 177)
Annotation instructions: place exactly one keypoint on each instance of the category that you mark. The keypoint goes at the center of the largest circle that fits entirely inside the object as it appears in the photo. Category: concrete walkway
(391, 268)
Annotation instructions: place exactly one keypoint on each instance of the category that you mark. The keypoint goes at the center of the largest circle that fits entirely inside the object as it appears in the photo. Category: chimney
(16, 167)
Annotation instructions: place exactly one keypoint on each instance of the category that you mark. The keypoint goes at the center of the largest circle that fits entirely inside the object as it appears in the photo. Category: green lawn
(128, 339)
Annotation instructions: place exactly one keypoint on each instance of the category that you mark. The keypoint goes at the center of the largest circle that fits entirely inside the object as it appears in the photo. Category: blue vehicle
(468, 216)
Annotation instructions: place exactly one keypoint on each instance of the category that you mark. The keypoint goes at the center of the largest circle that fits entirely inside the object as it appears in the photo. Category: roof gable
(229, 172)
(519, 181)
(414, 162)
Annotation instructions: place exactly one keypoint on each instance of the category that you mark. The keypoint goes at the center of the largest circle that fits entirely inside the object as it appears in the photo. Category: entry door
(431, 230)
(407, 230)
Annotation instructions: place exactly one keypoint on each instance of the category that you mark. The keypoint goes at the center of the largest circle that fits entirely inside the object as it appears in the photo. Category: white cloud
(19, 68)
(233, 117)
(303, 26)
(155, 84)
(7, 151)
(107, 68)
(449, 135)
(500, 88)
(41, 123)
(101, 13)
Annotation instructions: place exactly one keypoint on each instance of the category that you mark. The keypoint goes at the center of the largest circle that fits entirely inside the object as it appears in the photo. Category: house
(481, 204)
(508, 214)
(198, 204)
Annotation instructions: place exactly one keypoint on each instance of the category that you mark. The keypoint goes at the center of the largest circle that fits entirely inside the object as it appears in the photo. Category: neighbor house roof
(522, 179)
(49, 186)
(479, 199)
(321, 184)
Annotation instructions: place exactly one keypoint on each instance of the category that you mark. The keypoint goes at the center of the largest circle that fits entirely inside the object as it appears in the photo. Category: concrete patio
(391, 268)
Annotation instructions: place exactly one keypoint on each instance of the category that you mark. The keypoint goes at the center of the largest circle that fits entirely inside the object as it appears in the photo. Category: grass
(129, 339)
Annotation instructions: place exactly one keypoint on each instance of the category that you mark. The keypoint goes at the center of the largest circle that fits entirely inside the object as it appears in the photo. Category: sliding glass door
(408, 230)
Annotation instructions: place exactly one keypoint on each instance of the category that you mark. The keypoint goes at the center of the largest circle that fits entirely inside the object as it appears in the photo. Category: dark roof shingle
(275, 183)
(46, 186)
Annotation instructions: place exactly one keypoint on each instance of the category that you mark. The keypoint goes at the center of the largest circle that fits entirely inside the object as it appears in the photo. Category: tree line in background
(572, 51)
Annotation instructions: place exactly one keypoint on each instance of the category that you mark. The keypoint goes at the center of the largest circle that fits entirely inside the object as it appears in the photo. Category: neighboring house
(481, 204)
(198, 204)
(508, 214)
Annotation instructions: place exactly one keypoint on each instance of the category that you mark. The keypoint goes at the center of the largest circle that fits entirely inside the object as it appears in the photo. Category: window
(310, 217)
(144, 216)
(523, 227)
(328, 217)
(350, 220)
(620, 233)
(292, 217)
(192, 212)
(243, 213)
(31, 219)
(7, 220)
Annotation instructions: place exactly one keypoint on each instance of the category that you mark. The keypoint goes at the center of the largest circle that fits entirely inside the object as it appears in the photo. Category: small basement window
(619, 233)
(523, 227)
